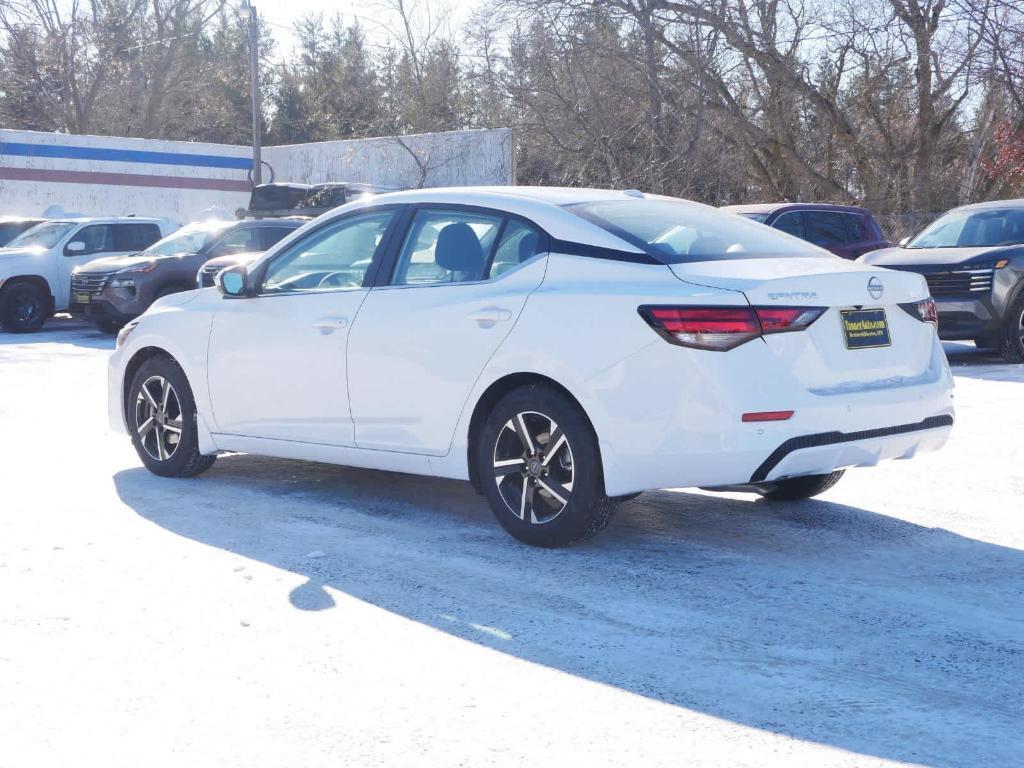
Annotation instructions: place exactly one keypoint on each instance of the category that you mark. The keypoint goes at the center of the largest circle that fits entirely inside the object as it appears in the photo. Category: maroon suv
(843, 229)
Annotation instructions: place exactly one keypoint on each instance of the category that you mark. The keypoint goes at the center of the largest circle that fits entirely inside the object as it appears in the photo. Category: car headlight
(145, 266)
(121, 282)
(124, 333)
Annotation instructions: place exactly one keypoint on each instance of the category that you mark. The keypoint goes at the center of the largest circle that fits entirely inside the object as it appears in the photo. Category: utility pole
(254, 78)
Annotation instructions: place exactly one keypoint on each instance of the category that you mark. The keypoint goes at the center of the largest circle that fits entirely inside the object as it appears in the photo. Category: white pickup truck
(36, 267)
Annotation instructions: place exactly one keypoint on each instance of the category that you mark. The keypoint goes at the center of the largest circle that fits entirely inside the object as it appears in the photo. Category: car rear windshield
(973, 229)
(677, 232)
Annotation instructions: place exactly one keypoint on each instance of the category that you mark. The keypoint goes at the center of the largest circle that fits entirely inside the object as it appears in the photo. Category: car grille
(89, 282)
(959, 282)
(207, 274)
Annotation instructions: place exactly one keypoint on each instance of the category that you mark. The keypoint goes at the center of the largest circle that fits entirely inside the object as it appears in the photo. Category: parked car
(311, 200)
(110, 292)
(36, 266)
(552, 346)
(973, 260)
(12, 226)
(842, 229)
(272, 231)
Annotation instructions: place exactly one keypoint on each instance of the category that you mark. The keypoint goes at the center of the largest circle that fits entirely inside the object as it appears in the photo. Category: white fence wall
(63, 174)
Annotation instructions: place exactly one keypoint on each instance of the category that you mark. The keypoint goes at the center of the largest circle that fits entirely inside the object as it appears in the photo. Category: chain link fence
(896, 226)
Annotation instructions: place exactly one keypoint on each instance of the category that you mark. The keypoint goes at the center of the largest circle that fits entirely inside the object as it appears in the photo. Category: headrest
(458, 249)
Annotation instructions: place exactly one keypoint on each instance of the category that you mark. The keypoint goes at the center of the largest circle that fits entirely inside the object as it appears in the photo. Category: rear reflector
(723, 328)
(767, 416)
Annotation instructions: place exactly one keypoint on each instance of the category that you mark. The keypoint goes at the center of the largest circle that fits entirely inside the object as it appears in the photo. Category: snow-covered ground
(275, 613)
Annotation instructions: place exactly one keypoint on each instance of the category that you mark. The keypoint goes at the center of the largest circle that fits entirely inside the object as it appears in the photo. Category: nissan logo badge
(875, 288)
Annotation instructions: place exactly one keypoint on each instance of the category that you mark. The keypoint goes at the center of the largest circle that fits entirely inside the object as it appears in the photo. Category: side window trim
(256, 279)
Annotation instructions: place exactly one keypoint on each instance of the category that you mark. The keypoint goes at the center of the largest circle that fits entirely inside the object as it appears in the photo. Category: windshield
(42, 235)
(680, 232)
(967, 229)
(755, 216)
(190, 239)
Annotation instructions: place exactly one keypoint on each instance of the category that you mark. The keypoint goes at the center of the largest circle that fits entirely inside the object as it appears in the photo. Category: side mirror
(904, 241)
(231, 281)
(76, 246)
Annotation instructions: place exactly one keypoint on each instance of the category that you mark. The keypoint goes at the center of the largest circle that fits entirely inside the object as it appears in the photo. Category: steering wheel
(337, 280)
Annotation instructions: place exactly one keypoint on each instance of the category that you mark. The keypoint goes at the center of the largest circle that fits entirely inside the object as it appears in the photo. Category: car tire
(796, 488)
(164, 424)
(23, 307)
(106, 325)
(547, 498)
(1012, 347)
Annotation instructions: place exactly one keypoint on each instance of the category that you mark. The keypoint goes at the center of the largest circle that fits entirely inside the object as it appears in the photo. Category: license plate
(865, 328)
(81, 298)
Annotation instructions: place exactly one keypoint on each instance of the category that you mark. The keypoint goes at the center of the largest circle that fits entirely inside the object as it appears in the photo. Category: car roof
(13, 219)
(108, 220)
(992, 205)
(774, 207)
(542, 205)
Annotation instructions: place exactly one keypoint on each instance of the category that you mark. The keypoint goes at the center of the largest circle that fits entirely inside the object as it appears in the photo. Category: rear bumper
(804, 454)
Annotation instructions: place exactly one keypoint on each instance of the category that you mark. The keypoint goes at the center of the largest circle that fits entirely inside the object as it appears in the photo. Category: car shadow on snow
(816, 620)
(971, 362)
(62, 329)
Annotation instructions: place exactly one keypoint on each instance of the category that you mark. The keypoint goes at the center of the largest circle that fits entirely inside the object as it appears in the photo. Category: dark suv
(973, 260)
(112, 291)
(843, 229)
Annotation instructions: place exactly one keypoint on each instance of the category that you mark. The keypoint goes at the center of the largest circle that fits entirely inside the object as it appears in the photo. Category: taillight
(923, 310)
(723, 328)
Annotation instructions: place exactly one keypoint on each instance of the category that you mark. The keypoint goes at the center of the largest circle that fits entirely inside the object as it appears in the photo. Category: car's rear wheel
(796, 488)
(162, 420)
(1012, 347)
(539, 463)
(23, 307)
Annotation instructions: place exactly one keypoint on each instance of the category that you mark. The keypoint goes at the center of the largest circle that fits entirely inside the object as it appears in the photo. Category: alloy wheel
(158, 418)
(26, 307)
(533, 467)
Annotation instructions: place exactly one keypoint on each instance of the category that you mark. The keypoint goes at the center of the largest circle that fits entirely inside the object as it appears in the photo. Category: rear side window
(519, 242)
(134, 237)
(445, 246)
(270, 236)
(826, 227)
(856, 228)
(678, 232)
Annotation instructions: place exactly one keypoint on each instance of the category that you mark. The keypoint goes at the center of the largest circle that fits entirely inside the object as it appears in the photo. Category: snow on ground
(276, 613)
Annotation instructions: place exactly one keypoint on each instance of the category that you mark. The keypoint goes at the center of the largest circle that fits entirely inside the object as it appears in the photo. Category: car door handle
(488, 317)
(328, 325)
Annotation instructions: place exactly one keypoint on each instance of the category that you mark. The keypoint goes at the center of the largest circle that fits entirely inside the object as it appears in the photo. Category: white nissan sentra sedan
(559, 348)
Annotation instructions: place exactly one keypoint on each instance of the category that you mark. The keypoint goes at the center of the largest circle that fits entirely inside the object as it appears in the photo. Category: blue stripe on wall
(124, 155)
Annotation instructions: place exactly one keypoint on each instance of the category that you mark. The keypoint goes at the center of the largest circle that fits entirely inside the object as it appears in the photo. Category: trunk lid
(821, 358)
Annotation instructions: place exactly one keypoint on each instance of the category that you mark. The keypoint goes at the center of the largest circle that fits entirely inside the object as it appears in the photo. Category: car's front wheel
(23, 307)
(539, 463)
(162, 420)
(1012, 347)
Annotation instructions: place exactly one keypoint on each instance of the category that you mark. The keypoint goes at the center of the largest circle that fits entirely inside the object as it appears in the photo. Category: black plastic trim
(833, 438)
(597, 252)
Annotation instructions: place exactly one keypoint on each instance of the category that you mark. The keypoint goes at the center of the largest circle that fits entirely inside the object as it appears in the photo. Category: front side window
(337, 255)
(445, 246)
(96, 237)
(42, 235)
(826, 227)
(974, 229)
(677, 232)
(791, 223)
